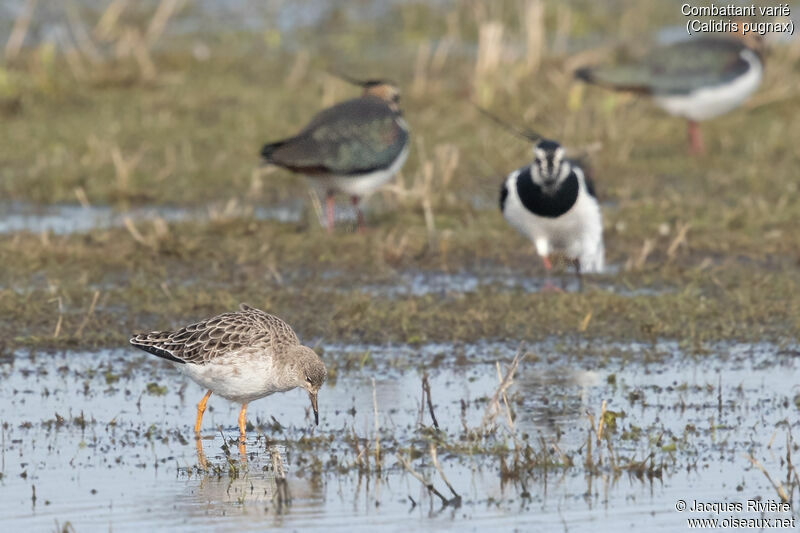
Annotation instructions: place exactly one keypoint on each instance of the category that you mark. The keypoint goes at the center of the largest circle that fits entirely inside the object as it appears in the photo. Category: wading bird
(697, 79)
(354, 147)
(552, 202)
(242, 356)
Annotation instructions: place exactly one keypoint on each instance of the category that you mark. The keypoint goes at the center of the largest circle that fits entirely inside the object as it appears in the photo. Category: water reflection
(75, 424)
(63, 219)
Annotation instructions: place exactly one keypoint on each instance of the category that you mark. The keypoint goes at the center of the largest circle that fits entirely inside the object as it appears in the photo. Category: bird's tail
(586, 74)
(154, 343)
(269, 149)
(618, 78)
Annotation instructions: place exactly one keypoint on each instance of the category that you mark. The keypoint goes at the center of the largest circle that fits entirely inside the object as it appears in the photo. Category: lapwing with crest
(698, 79)
(552, 202)
(353, 147)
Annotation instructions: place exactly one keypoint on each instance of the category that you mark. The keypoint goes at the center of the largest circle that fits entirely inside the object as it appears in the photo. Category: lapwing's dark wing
(355, 137)
(223, 334)
(679, 68)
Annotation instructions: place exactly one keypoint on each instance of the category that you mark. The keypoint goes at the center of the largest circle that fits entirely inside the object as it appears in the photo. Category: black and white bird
(552, 202)
(697, 79)
(354, 147)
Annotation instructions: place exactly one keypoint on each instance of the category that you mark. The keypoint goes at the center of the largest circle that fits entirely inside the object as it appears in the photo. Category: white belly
(710, 102)
(362, 185)
(578, 233)
(240, 379)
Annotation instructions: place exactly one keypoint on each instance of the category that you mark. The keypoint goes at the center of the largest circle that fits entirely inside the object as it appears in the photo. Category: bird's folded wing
(352, 138)
(222, 335)
(676, 69)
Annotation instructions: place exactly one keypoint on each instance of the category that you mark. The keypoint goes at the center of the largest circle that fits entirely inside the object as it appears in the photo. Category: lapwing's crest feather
(522, 132)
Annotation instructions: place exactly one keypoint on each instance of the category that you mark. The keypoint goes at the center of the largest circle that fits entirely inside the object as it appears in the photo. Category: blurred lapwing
(697, 79)
(353, 147)
(552, 202)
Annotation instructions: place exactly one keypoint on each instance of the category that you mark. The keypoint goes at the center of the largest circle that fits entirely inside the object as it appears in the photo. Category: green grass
(195, 132)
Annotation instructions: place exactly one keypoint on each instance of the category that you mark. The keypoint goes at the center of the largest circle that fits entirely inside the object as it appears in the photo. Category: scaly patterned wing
(204, 341)
(679, 68)
(354, 137)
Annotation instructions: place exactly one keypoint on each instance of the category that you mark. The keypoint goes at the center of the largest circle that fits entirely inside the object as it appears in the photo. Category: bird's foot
(551, 288)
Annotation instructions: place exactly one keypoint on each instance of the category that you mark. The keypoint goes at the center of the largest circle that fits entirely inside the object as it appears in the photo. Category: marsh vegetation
(131, 198)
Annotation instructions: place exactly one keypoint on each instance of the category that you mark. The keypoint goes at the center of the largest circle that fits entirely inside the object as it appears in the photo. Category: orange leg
(201, 457)
(548, 285)
(696, 146)
(242, 452)
(242, 422)
(201, 408)
(330, 204)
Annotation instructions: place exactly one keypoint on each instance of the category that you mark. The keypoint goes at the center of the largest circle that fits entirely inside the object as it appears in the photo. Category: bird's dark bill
(313, 398)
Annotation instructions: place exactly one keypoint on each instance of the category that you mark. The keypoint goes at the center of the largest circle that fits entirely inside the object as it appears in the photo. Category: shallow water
(498, 278)
(103, 453)
(204, 17)
(63, 219)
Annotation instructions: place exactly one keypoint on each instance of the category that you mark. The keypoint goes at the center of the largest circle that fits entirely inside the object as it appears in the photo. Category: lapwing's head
(383, 89)
(550, 166)
(309, 373)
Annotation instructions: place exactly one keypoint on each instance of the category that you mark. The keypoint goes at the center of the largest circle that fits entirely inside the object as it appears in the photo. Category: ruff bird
(242, 356)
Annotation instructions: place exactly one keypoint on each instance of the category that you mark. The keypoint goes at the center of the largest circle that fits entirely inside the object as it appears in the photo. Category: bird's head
(309, 373)
(385, 90)
(550, 166)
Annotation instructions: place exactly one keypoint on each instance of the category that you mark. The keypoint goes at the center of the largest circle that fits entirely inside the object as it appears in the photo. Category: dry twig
(493, 409)
(421, 479)
(426, 393)
(777, 486)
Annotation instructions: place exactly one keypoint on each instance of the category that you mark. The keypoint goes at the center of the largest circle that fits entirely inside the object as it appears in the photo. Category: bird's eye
(308, 379)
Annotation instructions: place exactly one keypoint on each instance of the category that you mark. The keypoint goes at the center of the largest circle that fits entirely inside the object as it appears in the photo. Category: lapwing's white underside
(709, 102)
(577, 233)
(361, 185)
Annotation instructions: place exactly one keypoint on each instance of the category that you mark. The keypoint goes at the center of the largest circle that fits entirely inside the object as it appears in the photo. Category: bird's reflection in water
(257, 476)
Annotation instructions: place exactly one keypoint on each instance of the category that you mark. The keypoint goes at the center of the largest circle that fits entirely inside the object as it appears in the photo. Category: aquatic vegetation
(669, 374)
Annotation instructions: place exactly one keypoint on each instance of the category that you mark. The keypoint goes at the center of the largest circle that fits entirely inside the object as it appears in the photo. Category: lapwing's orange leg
(242, 422)
(548, 285)
(330, 205)
(696, 146)
(201, 408)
